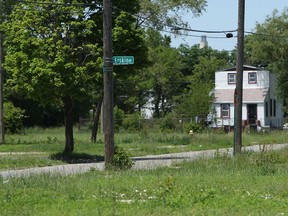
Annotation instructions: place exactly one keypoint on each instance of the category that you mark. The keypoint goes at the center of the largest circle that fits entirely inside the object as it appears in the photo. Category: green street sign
(123, 60)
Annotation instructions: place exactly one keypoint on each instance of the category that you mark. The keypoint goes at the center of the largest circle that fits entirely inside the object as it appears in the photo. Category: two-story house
(260, 105)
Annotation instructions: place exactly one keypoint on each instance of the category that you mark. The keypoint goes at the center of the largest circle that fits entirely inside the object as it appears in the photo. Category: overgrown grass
(250, 184)
(40, 144)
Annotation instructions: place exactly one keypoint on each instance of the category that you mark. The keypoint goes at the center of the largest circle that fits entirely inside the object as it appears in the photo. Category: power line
(196, 36)
(202, 31)
(266, 35)
(177, 28)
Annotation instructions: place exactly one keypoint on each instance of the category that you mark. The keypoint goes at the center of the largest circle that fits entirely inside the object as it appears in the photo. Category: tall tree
(196, 100)
(191, 56)
(55, 56)
(128, 40)
(268, 47)
(199, 66)
(49, 57)
(163, 77)
(204, 71)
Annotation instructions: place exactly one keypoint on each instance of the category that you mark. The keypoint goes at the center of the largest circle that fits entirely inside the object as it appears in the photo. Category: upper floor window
(231, 78)
(252, 78)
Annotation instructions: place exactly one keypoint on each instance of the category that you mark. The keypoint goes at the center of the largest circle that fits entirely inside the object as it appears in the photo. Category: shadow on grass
(74, 158)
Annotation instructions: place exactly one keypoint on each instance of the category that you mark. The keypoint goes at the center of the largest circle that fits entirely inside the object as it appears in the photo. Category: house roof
(249, 95)
(245, 68)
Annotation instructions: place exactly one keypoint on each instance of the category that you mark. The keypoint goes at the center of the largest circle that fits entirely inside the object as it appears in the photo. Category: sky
(222, 15)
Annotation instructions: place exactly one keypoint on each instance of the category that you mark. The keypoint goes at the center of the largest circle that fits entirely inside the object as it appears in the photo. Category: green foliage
(133, 122)
(195, 101)
(268, 161)
(13, 118)
(121, 159)
(204, 71)
(168, 123)
(199, 66)
(148, 142)
(127, 122)
(45, 62)
(268, 47)
(201, 187)
(168, 13)
(119, 116)
(167, 190)
(202, 63)
(195, 127)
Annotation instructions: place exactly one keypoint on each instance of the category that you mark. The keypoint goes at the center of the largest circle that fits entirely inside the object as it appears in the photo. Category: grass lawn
(249, 184)
(41, 145)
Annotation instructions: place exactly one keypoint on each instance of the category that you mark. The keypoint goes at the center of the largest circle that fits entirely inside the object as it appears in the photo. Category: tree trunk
(69, 141)
(157, 100)
(96, 119)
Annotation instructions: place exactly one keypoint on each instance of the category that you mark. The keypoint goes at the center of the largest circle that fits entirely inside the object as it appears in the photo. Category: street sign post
(123, 60)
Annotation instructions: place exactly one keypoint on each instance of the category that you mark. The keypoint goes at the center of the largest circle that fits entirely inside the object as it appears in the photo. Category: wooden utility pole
(108, 100)
(2, 130)
(239, 79)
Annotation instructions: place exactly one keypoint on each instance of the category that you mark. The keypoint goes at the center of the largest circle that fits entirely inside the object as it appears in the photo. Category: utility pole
(238, 95)
(108, 100)
(2, 130)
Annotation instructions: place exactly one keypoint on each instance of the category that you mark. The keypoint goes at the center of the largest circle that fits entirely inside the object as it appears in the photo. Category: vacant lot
(251, 184)
(43, 147)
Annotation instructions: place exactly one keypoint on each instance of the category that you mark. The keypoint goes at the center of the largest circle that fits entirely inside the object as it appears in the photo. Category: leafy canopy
(48, 54)
(269, 47)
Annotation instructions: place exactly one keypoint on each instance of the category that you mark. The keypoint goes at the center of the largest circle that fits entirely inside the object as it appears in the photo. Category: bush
(195, 127)
(13, 118)
(121, 159)
(168, 123)
(133, 122)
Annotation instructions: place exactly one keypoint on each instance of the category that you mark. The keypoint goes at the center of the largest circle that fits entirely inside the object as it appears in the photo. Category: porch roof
(249, 95)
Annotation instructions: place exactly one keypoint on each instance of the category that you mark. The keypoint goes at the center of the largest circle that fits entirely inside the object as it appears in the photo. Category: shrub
(133, 122)
(13, 118)
(195, 127)
(168, 123)
(121, 159)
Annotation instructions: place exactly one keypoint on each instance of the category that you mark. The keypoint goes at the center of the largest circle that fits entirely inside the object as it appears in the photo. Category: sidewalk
(146, 162)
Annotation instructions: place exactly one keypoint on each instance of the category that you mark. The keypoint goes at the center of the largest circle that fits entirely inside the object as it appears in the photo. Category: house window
(225, 110)
(252, 78)
(271, 107)
(231, 78)
(274, 108)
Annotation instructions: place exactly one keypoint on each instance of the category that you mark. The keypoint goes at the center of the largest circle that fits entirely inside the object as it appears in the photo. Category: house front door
(251, 114)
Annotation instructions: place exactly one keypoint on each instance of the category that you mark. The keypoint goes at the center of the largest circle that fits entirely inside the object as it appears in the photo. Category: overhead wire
(266, 35)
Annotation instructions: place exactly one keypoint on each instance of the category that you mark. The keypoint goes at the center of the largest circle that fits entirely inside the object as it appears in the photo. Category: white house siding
(263, 78)
(261, 113)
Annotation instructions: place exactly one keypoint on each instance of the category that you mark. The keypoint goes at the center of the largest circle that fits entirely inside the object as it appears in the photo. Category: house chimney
(203, 42)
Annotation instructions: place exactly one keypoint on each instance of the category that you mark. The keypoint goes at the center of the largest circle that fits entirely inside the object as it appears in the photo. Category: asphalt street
(145, 162)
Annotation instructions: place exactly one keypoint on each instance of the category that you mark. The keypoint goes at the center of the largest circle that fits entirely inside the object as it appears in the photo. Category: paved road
(146, 162)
